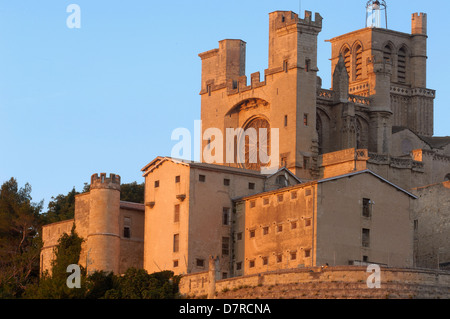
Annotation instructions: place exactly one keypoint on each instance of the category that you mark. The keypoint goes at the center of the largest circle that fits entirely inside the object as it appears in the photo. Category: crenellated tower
(284, 98)
(103, 242)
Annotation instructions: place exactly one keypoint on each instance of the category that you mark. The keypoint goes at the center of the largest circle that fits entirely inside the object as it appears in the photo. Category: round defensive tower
(103, 242)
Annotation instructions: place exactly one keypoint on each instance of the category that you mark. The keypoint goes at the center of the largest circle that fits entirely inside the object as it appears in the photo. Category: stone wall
(432, 226)
(50, 236)
(344, 282)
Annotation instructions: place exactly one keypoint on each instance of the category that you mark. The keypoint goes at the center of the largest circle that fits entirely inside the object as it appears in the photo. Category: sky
(106, 97)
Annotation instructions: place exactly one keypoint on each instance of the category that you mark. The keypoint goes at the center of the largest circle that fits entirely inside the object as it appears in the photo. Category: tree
(132, 192)
(20, 240)
(138, 284)
(54, 285)
(61, 207)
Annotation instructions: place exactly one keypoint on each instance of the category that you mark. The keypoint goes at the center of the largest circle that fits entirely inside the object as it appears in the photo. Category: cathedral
(360, 176)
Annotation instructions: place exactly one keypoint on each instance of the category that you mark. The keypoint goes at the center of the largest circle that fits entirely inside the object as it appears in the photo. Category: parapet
(317, 23)
(419, 23)
(102, 181)
(280, 19)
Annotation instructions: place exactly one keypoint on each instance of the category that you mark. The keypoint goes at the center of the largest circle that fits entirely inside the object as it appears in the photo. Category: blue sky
(106, 97)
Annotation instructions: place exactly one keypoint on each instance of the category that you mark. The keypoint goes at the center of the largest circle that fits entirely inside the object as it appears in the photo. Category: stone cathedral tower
(389, 67)
(284, 99)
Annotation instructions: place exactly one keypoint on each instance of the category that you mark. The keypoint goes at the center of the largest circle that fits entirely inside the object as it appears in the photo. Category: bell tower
(388, 67)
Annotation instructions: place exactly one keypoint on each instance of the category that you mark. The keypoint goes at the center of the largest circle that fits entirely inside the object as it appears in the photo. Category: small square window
(177, 179)
(202, 178)
(126, 232)
(279, 228)
(279, 258)
(175, 263)
(252, 204)
(293, 225)
(251, 264)
(266, 201)
(280, 197)
(226, 182)
(238, 265)
(293, 255)
(265, 261)
(307, 222)
(251, 185)
(307, 253)
(265, 230)
(200, 262)
(252, 233)
(239, 236)
(156, 184)
(294, 195)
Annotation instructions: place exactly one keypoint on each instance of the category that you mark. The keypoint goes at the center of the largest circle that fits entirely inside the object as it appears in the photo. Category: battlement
(419, 23)
(282, 19)
(317, 22)
(102, 181)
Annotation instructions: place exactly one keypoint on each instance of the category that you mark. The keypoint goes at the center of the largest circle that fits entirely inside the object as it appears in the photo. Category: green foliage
(61, 207)
(138, 284)
(132, 192)
(20, 241)
(54, 286)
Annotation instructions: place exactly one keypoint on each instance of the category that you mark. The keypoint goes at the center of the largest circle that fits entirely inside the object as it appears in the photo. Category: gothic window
(401, 67)
(257, 145)
(387, 53)
(347, 57)
(358, 62)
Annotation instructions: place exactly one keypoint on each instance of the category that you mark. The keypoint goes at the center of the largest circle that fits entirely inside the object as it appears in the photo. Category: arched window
(447, 178)
(401, 67)
(257, 143)
(387, 53)
(358, 62)
(347, 58)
